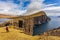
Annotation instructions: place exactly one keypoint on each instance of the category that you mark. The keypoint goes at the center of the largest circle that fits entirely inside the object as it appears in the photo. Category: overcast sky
(20, 7)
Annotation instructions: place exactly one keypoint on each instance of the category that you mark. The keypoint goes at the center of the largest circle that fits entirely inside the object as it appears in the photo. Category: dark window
(20, 23)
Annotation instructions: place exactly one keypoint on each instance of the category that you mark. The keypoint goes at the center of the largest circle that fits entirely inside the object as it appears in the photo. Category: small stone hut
(26, 23)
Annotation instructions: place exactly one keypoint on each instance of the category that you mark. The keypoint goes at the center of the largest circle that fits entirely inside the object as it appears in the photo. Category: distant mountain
(58, 16)
(6, 16)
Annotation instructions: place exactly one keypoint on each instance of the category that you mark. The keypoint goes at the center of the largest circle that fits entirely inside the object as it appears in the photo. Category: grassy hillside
(15, 34)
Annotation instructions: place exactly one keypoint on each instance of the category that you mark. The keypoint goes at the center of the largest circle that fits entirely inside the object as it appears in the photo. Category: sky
(27, 7)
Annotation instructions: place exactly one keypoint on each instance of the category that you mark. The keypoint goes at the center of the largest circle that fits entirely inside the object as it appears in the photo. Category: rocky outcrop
(29, 21)
(34, 20)
(53, 32)
(41, 19)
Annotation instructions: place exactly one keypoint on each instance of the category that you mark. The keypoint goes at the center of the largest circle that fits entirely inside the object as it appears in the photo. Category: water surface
(53, 23)
(2, 20)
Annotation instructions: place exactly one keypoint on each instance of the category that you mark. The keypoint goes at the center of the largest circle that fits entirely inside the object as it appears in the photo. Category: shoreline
(53, 32)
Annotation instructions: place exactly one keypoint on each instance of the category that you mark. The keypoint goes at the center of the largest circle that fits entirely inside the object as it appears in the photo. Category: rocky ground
(15, 34)
(54, 32)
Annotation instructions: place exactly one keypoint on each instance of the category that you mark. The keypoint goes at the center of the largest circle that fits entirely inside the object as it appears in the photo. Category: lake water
(53, 23)
(2, 20)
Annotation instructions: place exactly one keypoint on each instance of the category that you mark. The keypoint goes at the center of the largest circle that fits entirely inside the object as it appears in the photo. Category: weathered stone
(29, 21)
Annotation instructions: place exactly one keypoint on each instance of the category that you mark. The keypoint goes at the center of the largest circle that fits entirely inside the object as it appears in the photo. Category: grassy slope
(19, 35)
(15, 35)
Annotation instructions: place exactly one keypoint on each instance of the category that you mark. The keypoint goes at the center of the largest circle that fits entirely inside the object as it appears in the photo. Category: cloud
(34, 6)
(52, 11)
(49, 5)
(9, 8)
(38, 5)
(52, 8)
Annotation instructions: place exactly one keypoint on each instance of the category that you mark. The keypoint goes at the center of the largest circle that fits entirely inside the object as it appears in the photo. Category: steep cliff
(40, 17)
(28, 22)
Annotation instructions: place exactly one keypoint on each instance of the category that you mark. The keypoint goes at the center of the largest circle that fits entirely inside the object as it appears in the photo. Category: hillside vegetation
(15, 34)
